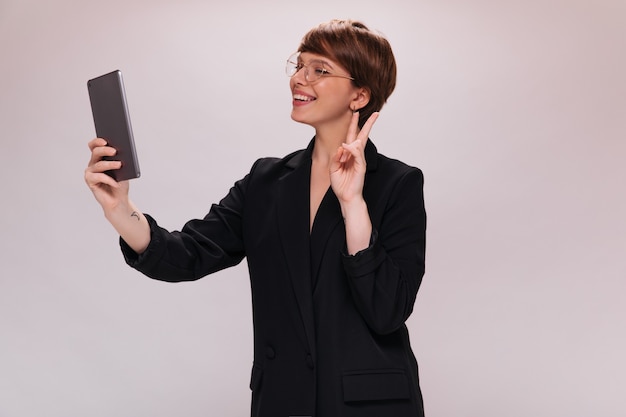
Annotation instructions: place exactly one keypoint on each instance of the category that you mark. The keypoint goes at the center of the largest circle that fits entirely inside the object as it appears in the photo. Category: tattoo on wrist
(135, 214)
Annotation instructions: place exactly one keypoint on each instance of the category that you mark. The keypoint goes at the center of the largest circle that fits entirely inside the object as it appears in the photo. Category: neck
(328, 139)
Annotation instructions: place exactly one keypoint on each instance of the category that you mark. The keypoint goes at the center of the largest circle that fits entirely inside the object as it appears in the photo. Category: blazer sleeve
(385, 277)
(201, 247)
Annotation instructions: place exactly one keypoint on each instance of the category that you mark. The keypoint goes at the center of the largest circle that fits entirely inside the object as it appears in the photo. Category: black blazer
(329, 332)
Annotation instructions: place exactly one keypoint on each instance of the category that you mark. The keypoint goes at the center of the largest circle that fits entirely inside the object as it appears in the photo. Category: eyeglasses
(313, 71)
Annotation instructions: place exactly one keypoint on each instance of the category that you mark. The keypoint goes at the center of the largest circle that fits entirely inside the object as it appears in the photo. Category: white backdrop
(515, 110)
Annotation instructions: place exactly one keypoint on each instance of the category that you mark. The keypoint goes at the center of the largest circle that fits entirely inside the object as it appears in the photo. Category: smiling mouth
(303, 98)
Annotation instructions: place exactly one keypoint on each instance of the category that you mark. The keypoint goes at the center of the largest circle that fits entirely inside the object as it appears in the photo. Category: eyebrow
(328, 64)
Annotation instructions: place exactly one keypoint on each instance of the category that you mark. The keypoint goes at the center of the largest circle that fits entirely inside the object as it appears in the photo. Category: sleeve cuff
(134, 259)
(366, 260)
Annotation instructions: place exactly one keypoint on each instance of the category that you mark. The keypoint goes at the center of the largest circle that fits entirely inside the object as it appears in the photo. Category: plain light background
(514, 110)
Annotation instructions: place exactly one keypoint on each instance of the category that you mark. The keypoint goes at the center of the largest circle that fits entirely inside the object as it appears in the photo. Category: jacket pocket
(375, 385)
(256, 377)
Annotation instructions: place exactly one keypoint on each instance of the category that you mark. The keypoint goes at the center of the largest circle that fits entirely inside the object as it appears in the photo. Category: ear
(361, 98)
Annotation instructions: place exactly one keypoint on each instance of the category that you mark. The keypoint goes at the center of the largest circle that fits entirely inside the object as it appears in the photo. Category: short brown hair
(365, 54)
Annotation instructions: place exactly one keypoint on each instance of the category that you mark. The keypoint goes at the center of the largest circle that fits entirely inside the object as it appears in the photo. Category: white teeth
(300, 97)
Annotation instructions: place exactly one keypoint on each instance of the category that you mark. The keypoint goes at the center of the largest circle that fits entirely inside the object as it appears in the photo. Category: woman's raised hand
(347, 177)
(108, 192)
(112, 195)
(347, 167)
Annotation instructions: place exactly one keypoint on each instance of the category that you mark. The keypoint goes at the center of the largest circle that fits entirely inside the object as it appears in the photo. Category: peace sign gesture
(347, 167)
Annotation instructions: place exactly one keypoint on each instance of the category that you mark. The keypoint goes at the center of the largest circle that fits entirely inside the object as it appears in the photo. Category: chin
(298, 118)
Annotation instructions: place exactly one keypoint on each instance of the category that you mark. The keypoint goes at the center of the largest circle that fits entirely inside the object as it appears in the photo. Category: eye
(319, 70)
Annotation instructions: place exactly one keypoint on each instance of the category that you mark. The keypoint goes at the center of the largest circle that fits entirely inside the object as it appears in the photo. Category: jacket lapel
(293, 224)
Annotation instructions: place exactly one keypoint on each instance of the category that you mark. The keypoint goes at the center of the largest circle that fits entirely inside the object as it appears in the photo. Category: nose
(300, 76)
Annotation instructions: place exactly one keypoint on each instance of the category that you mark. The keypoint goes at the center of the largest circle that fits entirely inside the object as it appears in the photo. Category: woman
(334, 237)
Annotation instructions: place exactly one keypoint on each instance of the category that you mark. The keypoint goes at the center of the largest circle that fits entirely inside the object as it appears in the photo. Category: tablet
(112, 121)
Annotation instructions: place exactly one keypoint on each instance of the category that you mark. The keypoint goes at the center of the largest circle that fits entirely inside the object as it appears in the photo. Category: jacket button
(270, 353)
(309, 362)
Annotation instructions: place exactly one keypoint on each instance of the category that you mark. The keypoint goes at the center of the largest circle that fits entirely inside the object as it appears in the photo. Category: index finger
(94, 143)
(367, 127)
